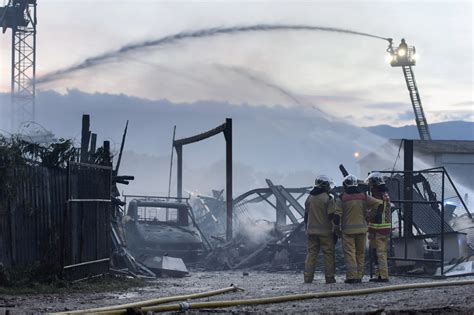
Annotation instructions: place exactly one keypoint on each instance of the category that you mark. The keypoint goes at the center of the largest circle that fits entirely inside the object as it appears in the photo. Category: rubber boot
(375, 264)
(308, 277)
(379, 279)
(353, 281)
(330, 280)
(382, 280)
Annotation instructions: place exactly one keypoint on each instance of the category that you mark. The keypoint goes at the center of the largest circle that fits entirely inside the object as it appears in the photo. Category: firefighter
(402, 50)
(380, 226)
(319, 214)
(351, 207)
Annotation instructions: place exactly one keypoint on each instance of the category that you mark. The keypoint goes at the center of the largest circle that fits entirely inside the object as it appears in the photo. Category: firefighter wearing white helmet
(319, 213)
(352, 207)
(380, 226)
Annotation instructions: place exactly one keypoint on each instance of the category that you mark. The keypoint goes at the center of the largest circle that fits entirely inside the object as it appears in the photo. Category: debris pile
(258, 244)
(268, 248)
(277, 248)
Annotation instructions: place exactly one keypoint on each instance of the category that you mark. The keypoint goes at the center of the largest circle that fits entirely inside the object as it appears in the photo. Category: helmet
(350, 181)
(323, 182)
(375, 179)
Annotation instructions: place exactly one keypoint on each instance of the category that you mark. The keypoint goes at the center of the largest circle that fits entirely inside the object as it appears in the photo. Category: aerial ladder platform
(405, 57)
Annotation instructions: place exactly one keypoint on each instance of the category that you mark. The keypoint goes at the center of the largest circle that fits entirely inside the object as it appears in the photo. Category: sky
(343, 75)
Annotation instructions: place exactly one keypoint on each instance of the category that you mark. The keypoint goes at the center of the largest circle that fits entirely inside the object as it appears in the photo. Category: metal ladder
(420, 118)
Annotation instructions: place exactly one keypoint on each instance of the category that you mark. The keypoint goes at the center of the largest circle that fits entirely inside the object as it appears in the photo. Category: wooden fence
(55, 216)
(32, 216)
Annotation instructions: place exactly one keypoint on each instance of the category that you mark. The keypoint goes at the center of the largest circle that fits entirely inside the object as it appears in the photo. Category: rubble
(165, 266)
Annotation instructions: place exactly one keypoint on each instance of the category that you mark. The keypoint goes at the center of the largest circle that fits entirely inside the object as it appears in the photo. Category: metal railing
(424, 214)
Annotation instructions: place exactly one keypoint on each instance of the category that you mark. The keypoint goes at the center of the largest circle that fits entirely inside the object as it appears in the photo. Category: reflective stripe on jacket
(381, 222)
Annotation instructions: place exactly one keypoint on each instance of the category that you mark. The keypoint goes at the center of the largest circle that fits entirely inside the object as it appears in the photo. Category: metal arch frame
(226, 129)
(261, 191)
(284, 200)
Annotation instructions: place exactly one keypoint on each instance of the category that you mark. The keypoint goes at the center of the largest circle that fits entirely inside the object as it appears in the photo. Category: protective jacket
(380, 219)
(352, 206)
(403, 46)
(319, 207)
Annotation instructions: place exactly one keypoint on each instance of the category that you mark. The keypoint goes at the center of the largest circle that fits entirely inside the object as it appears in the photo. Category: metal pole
(408, 187)
(12, 96)
(399, 210)
(229, 199)
(171, 162)
(179, 157)
(442, 224)
(407, 192)
(457, 192)
(34, 63)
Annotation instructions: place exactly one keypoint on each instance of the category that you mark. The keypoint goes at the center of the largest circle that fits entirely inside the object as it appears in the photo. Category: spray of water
(248, 74)
(174, 72)
(257, 79)
(183, 36)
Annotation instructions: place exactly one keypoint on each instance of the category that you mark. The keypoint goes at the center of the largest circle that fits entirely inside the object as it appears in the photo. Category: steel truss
(23, 89)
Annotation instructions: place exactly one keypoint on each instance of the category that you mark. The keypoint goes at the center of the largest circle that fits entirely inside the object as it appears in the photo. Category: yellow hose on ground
(122, 309)
(287, 298)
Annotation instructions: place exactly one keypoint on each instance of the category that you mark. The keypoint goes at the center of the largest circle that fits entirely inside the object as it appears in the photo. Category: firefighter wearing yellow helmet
(353, 206)
(380, 226)
(319, 213)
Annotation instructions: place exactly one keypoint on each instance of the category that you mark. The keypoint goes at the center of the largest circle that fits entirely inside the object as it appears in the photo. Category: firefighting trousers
(353, 246)
(378, 243)
(315, 243)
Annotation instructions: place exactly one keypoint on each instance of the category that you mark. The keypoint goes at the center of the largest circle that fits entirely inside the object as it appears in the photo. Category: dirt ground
(443, 300)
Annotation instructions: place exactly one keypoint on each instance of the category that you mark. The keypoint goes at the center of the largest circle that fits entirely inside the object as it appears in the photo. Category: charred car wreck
(156, 226)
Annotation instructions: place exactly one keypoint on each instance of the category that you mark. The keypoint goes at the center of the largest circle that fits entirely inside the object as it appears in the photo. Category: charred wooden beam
(117, 167)
(201, 136)
(85, 137)
(291, 200)
(281, 201)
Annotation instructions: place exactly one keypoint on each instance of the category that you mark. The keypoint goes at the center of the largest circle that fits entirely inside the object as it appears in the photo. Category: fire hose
(287, 298)
(122, 309)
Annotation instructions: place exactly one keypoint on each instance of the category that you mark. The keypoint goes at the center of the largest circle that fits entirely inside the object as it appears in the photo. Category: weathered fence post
(85, 137)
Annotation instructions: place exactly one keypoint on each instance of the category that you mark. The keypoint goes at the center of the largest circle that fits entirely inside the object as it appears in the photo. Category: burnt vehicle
(161, 226)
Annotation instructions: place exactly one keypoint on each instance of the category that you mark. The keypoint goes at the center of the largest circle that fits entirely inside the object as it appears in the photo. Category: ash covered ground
(443, 300)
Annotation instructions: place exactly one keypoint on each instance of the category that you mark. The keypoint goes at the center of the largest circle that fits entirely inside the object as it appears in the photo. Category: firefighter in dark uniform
(380, 226)
(352, 207)
(319, 214)
(402, 50)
